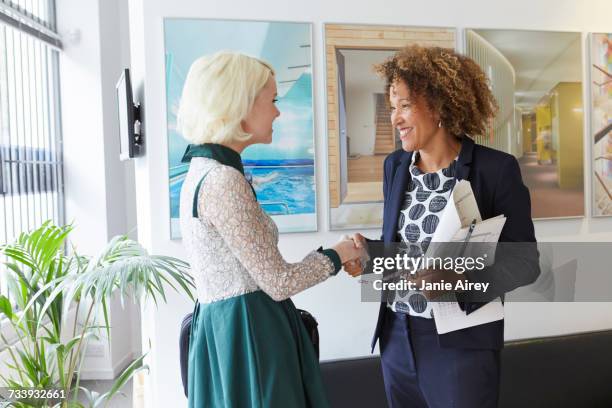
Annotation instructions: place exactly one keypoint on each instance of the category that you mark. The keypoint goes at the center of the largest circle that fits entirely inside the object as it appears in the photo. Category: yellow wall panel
(527, 136)
(544, 129)
(571, 141)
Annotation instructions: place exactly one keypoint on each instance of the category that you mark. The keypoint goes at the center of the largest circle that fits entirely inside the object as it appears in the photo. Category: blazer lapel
(399, 184)
(465, 158)
(401, 178)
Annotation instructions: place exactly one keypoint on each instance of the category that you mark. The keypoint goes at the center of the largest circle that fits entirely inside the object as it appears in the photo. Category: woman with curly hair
(439, 101)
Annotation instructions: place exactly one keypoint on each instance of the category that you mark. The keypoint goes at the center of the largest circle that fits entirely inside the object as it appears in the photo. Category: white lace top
(233, 245)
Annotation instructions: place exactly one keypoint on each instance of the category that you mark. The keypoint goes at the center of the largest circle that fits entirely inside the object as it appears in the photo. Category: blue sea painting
(282, 173)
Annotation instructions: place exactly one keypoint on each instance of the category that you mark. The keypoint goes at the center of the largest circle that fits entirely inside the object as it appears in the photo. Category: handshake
(353, 252)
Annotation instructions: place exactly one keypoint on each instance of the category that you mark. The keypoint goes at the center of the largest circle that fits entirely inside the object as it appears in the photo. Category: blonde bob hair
(219, 92)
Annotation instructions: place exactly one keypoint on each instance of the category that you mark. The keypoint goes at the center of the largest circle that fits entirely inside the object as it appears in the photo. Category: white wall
(98, 187)
(129, 178)
(345, 323)
(83, 125)
(360, 111)
(503, 81)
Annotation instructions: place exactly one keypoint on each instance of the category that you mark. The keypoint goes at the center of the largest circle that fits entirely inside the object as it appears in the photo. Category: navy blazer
(496, 180)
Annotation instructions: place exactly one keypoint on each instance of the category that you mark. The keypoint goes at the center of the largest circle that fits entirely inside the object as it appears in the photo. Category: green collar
(218, 152)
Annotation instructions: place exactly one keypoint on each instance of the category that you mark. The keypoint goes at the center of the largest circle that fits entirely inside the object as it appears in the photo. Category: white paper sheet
(460, 211)
(465, 203)
(449, 316)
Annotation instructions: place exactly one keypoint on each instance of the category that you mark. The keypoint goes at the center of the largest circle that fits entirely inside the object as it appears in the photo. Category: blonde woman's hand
(347, 250)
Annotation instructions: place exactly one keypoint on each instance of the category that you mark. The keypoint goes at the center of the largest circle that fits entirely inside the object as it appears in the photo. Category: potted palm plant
(48, 285)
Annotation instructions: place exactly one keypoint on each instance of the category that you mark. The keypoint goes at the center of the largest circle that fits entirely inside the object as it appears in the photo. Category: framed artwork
(536, 77)
(601, 123)
(282, 173)
(359, 131)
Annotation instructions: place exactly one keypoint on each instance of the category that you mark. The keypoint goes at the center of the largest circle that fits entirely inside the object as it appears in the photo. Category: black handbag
(184, 348)
(310, 323)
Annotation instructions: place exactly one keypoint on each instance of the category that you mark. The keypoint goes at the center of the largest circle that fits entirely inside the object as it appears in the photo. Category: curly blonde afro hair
(451, 84)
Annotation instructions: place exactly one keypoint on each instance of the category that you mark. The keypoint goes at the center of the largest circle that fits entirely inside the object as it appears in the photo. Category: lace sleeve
(226, 200)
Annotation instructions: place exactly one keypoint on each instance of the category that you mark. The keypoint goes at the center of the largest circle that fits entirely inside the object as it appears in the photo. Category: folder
(460, 214)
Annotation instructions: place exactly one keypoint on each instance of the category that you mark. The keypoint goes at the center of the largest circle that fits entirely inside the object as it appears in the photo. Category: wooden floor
(364, 192)
(365, 176)
(366, 169)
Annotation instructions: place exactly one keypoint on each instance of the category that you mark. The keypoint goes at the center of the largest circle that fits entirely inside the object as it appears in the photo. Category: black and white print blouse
(424, 203)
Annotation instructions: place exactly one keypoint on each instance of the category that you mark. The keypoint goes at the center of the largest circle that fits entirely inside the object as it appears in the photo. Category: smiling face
(258, 122)
(410, 115)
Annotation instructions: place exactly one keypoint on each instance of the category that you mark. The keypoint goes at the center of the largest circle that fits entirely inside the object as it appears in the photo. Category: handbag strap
(194, 210)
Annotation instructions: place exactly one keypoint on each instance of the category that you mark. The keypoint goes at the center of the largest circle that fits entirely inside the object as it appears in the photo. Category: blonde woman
(248, 346)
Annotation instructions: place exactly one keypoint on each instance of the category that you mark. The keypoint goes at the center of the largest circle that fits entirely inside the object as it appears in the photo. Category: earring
(440, 124)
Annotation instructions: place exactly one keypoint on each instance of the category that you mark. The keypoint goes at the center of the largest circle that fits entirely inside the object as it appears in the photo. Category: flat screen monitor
(129, 117)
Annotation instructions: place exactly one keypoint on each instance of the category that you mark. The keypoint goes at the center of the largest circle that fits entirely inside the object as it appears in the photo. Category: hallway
(547, 199)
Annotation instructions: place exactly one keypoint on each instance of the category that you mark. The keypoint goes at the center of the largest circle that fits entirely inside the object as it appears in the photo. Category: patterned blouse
(233, 244)
(424, 203)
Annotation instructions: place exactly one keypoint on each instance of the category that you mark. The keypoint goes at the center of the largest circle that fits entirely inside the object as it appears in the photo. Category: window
(31, 190)
(35, 12)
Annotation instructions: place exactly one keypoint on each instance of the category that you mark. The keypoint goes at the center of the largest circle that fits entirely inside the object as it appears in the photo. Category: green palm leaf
(44, 282)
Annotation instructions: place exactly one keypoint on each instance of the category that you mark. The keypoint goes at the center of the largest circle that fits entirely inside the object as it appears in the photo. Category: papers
(486, 233)
(449, 316)
(461, 213)
(454, 224)
(465, 203)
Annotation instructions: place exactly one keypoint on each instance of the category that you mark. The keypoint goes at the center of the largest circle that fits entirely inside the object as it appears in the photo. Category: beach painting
(283, 172)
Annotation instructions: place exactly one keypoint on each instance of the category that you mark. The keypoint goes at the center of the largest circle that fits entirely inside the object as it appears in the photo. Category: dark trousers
(419, 373)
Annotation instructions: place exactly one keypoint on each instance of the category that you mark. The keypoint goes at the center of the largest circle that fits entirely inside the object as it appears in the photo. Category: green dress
(248, 346)
(250, 351)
